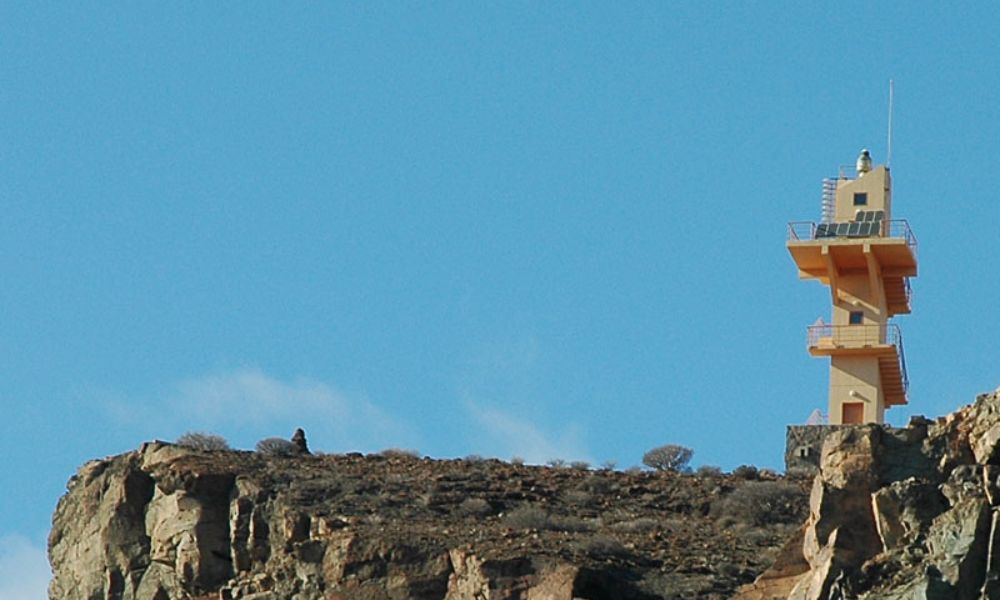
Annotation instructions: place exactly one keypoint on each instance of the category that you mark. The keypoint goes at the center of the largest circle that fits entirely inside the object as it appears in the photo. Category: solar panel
(854, 229)
(879, 215)
(823, 230)
(842, 228)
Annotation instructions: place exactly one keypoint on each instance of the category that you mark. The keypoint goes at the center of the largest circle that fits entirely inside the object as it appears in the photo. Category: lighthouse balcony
(885, 342)
(884, 249)
(868, 225)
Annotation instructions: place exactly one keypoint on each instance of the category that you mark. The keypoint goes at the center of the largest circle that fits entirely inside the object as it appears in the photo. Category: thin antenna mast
(888, 153)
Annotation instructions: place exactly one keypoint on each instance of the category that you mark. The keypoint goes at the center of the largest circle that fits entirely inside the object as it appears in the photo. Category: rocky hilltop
(908, 513)
(894, 513)
(165, 522)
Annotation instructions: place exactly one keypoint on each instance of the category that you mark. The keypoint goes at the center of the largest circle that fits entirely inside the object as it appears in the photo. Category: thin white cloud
(505, 435)
(24, 569)
(250, 403)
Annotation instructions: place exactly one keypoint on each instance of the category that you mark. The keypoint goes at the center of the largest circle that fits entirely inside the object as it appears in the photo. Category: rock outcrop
(900, 513)
(171, 523)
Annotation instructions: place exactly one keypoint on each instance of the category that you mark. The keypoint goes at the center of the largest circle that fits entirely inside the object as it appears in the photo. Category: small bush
(517, 460)
(556, 463)
(602, 546)
(580, 465)
(709, 471)
(527, 517)
(748, 472)
(202, 441)
(275, 446)
(578, 498)
(668, 458)
(637, 525)
(761, 503)
(597, 484)
(400, 453)
(609, 465)
(800, 473)
(475, 507)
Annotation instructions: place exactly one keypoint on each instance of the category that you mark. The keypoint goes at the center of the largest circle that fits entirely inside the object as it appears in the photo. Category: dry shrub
(597, 484)
(578, 498)
(602, 546)
(400, 453)
(203, 441)
(709, 471)
(637, 525)
(761, 503)
(276, 446)
(475, 507)
(668, 458)
(533, 517)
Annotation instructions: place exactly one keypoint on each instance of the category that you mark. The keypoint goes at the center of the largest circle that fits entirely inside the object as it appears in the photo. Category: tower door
(854, 413)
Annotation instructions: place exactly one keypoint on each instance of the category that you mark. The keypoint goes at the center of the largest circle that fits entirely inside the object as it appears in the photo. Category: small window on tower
(861, 199)
(857, 317)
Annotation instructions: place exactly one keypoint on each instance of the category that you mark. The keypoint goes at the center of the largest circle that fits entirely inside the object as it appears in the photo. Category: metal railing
(896, 228)
(848, 172)
(856, 336)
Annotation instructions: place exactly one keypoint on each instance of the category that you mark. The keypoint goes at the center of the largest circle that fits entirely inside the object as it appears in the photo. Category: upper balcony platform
(815, 247)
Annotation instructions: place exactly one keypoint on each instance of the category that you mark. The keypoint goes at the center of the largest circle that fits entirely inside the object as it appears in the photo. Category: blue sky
(534, 229)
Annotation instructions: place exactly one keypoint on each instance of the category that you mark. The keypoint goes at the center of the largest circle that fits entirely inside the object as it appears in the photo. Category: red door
(854, 413)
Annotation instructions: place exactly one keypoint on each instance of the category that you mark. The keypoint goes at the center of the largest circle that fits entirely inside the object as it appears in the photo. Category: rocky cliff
(900, 513)
(166, 522)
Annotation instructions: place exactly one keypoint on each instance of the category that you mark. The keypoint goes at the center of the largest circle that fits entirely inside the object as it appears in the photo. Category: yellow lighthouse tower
(866, 258)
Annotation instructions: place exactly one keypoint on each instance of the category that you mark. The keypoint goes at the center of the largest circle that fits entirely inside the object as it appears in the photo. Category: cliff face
(166, 522)
(900, 513)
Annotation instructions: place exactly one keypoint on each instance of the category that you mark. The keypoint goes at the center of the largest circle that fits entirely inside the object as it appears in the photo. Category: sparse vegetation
(578, 498)
(670, 457)
(609, 465)
(556, 463)
(709, 471)
(400, 453)
(517, 460)
(602, 546)
(760, 503)
(276, 446)
(748, 472)
(799, 473)
(597, 484)
(203, 441)
(580, 465)
(637, 525)
(475, 507)
(533, 517)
